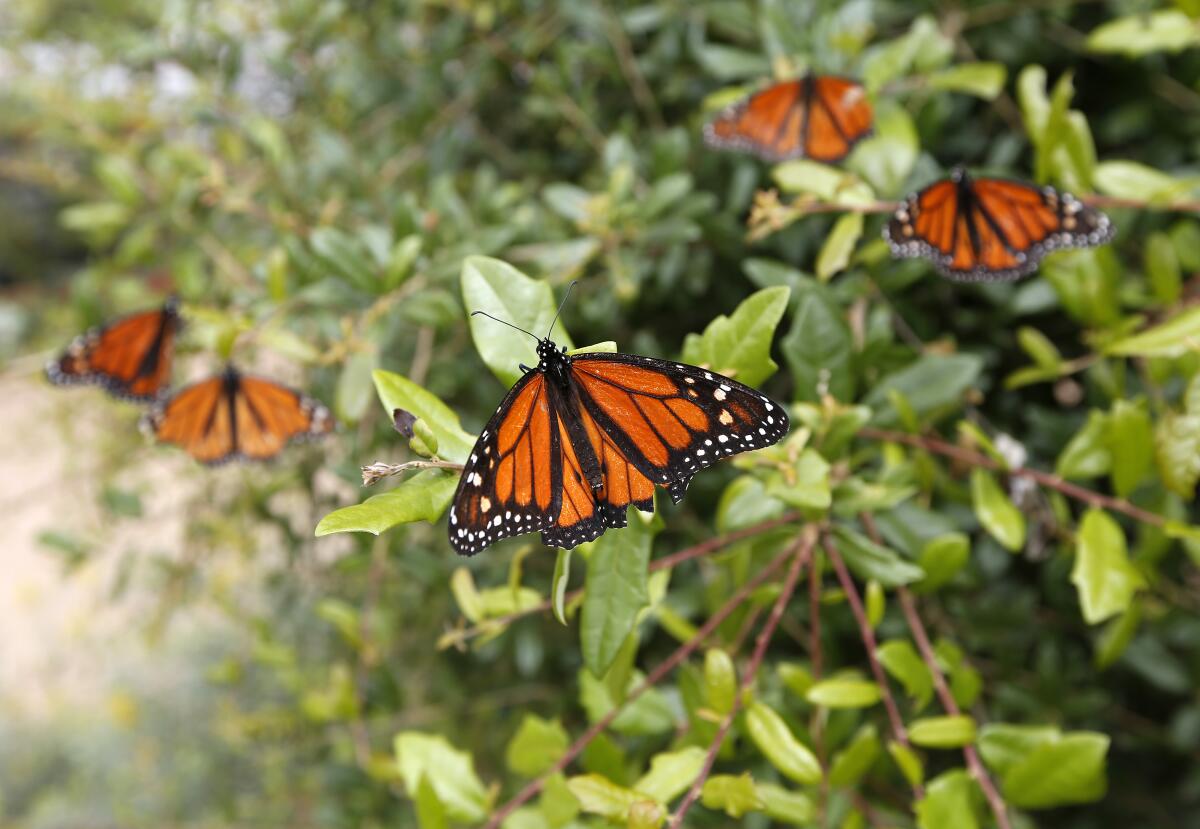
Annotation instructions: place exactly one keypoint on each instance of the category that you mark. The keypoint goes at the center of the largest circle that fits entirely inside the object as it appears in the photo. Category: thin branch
(814, 619)
(672, 560)
(803, 554)
(374, 472)
(868, 637)
(995, 801)
(653, 678)
(1046, 479)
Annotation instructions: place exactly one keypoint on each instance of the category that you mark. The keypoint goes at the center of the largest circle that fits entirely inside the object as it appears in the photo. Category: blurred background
(176, 648)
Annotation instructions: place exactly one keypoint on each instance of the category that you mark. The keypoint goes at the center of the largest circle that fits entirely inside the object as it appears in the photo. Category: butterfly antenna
(560, 307)
(504, 322)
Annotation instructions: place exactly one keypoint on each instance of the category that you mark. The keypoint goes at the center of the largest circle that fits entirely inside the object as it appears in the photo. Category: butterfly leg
(524, 368)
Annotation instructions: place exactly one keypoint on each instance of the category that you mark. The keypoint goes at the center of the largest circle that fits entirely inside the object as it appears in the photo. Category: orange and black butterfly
(989, 229)
(131, 357)
(581, 437)
(232, 415)
(820, 117)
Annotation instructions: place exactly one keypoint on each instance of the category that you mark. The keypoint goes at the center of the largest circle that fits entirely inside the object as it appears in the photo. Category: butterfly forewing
(512, 480)
(131, 357)
(991, 229)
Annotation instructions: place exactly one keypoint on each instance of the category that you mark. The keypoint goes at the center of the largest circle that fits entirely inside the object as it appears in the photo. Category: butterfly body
(820, 117)
(991, 229)
(130, 358)
(236, 416)
(580, 438)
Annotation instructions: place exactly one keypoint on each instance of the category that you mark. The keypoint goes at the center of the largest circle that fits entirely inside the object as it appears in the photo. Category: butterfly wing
(233, 416)
(199, 419)
(820, 117)
(839, 116)
(666, 420)
(268, 416)
(998, 230)
(131, 357)
(512, 480)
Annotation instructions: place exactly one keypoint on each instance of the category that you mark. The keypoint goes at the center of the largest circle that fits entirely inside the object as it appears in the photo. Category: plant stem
(672, 560)
(1046, 479)
(653, 678)
(374, 472)
(995, 801)
(868, 636)
(760, 650)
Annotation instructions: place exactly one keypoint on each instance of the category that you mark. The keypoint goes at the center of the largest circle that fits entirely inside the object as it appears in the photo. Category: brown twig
(868, 637)
(1046, 479)
(672, 560)
(760, 650)
(374, 472)
(653, 678)
(995, 801)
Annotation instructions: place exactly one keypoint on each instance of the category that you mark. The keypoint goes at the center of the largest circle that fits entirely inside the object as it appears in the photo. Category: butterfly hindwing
(130, 358)
(977, 229)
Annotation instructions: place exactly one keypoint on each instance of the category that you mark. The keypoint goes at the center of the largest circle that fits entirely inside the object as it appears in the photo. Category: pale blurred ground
(62, 638)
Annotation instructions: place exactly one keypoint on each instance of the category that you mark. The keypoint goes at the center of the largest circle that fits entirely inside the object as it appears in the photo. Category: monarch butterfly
(980, 229)
(130, 357)
(820, 117)
(231, 415)
(581, 437)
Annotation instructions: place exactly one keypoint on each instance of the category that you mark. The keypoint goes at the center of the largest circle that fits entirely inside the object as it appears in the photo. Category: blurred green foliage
(331, 186)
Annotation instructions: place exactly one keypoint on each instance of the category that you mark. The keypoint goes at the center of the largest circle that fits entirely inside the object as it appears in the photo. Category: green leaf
(856, 759)
(449, 771)
(1163, 268)
(806, 485)
(869, 560)
(1039, 348)
(843, 693)
(1131, 180)
(720, 681)
(901, 660)
(875, 602)
(1069, 770)
(536, 747)
(941, 559)
(1131, 445)
(598, 795)
(1172, 338)
(886, 158)
(649, 714)
(558, 585)
(908, 762)
(504, 292)
(398, 392)
(819, 348)
(616, 591)
(1117, 635)
(423, 497)
(1003, 745)
(1177, 451)
(671, 773)
(839, 245)
(775, 740)
(1102, 573)
(1087, 454)
(739, 345)
(733, 795)
(983, 80)
(346, 256)
(466, 594)
(431, 814)
(996, 512)
(947, 803)
(785, 805)
(826, 183)
(745, 502)
(931, 383)
(942, 732)
(1166, 30)
(353, 394)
